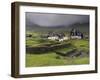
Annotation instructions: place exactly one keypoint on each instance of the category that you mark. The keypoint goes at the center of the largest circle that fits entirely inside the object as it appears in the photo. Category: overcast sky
(50, 20)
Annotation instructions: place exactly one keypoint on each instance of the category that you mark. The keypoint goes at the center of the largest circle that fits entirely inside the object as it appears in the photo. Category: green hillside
(84, 27)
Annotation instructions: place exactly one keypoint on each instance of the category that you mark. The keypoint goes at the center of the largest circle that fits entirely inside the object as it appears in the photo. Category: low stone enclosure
(46, 48)
(73, 53)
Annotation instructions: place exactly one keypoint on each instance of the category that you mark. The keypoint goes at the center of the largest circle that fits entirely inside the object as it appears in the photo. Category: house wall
(76, 37)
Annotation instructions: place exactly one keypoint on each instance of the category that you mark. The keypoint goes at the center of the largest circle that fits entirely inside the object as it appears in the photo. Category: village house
(76, 34)
(57, 36)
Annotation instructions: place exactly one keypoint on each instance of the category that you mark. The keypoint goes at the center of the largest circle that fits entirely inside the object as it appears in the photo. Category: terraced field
(50, 57)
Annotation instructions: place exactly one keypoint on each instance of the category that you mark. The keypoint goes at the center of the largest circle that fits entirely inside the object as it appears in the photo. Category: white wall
(5, 40)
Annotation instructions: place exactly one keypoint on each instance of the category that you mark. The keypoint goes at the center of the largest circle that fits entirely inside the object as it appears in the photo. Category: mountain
(83, 27)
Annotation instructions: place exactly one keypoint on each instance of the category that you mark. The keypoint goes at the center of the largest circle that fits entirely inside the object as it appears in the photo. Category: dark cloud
(46, 19)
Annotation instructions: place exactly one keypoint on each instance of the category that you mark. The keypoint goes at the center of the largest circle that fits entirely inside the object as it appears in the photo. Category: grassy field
(51, 58)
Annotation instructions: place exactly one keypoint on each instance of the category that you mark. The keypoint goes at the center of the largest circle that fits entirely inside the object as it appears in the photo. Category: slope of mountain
(83, 27)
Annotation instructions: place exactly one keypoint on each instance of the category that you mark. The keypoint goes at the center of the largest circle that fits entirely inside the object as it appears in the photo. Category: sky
(52, 20)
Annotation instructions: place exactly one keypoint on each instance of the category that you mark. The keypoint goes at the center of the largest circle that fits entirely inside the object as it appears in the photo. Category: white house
(76, 37)
(53, 37)
(57, 37)
(64, 38)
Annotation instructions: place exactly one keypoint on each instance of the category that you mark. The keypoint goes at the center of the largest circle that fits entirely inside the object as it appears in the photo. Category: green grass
(51, 58)
(80, 44)
(48, 59)
(65, 50)
(80, 60)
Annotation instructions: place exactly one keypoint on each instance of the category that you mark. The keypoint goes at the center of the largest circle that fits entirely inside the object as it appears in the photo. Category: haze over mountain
(81, 27)
(56, 22)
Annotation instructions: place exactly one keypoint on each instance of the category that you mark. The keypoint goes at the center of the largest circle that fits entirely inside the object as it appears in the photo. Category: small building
(57, 36)
(53, 37)
(64, 38)
(76, 34)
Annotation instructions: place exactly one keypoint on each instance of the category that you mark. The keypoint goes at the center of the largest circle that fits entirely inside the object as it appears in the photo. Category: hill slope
(83, 27)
